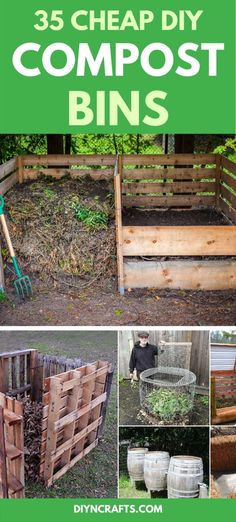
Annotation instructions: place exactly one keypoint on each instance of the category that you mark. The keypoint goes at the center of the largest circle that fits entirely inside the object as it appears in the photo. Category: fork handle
(7, 236)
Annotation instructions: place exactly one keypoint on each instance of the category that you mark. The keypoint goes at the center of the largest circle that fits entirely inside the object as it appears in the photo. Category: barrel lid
(185, 457)
(138, 449)
(151, 454)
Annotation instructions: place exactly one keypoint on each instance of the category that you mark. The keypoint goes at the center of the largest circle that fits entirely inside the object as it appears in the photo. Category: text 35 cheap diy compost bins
(73, 413)
(175, 214)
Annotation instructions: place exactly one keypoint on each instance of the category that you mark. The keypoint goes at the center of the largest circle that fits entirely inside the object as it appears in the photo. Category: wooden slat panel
(8, 168)
(169, 159)
(185, 275)
(169, 201)
(229, 165)
(178, 187)
(225, 193)
(8, 183)
(61, 159)
(171, 173)
(179, 241)
(227, 210)
(226, 178)
(97, 174)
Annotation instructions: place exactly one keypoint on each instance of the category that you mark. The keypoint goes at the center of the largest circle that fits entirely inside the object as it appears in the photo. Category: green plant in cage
(167, 403)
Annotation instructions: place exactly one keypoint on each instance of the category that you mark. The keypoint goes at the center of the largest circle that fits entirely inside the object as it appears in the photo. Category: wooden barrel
(156, 465)
(184, 476)
(135, 463)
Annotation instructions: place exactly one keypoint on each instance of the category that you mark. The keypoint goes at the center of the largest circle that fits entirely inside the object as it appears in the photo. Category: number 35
(55, 22)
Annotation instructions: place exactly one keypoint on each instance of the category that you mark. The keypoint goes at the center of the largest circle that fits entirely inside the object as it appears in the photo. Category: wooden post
(20, 165)
(53, 416)
(218, 180)
(118, 220)
(107, 389)
(3, 465)
(4, 374)
(213, 398)
(36, 377)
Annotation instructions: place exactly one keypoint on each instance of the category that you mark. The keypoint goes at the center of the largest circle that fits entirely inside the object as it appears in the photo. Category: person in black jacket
(143, 355)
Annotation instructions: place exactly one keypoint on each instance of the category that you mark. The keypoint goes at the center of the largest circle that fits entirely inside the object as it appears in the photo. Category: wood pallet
(74, 404)
(223, 385)
(11, 448)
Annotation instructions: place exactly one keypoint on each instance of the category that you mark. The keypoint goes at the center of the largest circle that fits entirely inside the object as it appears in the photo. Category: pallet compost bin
(154, 195)
(74, 399)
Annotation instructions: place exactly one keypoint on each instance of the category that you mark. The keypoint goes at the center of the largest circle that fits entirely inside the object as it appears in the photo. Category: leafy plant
(205, 400)
(93, 219)
(167, 403)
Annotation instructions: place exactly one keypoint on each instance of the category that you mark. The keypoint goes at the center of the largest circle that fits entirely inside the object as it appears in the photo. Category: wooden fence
(11, 448)
(23, 372)
(186, 349)
(72, 413)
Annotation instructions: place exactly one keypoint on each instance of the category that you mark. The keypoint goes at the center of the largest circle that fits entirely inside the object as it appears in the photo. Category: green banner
(116, 510)
(125, 66)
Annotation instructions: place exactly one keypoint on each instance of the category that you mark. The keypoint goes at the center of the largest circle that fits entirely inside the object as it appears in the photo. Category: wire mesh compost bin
(167, 393)
(58, 403)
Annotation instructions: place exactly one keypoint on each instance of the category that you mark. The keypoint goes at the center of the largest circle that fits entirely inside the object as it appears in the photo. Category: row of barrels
(181, 475)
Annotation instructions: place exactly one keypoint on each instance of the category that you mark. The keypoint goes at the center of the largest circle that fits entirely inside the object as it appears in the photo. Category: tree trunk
(184, 143)
(55, 143)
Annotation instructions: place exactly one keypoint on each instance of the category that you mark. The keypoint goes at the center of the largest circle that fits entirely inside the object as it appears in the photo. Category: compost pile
(63, 230)
(32, 437)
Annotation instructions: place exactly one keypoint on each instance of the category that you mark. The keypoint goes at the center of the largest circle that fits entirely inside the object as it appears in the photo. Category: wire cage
(167, 393)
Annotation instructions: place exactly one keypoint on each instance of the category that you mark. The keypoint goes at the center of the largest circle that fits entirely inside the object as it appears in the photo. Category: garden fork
(22, 283)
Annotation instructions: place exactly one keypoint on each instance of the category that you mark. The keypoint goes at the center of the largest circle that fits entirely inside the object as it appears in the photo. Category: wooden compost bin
(223, 386)
(73, 414)
(180, 182)
(198, 257)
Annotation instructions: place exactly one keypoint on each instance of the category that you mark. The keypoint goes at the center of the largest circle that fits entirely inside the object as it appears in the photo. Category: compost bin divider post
(20, 164)
(4, 484)
(118, 222)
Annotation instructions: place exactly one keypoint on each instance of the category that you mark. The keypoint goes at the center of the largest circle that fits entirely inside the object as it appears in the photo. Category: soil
(137, 217)
(129, 394)
(74, 271)
(102, 306)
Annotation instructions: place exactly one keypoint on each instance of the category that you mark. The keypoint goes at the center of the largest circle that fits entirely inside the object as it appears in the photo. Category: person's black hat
(143, 334)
